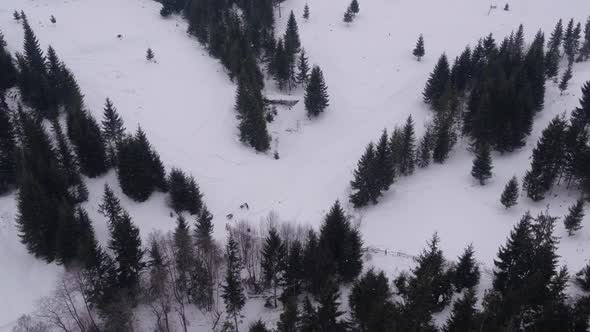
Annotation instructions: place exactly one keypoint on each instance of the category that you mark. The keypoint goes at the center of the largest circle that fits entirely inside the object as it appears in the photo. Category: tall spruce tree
(43, 199)
(354, 7)
(418, 51)
(437, 83)
(424, 149)
(371, 307)
(556, 36)
(464, 315)
(407, 159)
(113, 130)
(365, 185)
(316, 93)
(232, 290)
(140, 168)
(510, 194)
(77, 190)
(466, 274)
(292, 41)
(328, 311)
(273, 262)
(293, 270)
(585, 49)
(185, 194)
(124, 242)
(573, 220)
(289, 318)
(184, 259)
(8, 149)
(86, 137)
(308, 321)
(384, 167)
(342, 242)
(306, 12)
(548, 156)
(7, 67)
(565, 78)
(250, 107)
(302, 69)
(482, 164)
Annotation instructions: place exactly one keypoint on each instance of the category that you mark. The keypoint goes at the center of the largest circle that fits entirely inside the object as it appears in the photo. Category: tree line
(489, 95)
(245, 44)
(48, 166)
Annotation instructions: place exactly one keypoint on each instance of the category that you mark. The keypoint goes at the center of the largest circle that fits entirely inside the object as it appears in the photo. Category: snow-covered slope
(184, 102)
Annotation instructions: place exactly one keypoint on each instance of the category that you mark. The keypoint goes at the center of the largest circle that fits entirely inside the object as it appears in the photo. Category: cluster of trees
(399, 154)
(243, 40)
(562, 152)
(351, 11)
(528, 292)
(47, 168)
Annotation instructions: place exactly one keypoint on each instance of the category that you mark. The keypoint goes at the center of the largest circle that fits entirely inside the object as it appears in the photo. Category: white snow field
(184, 102)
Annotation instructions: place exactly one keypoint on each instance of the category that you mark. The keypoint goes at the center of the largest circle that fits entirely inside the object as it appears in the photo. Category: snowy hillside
(184, 102)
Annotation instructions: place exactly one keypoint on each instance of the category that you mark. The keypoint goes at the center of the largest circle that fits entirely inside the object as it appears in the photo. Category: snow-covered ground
(184, 102)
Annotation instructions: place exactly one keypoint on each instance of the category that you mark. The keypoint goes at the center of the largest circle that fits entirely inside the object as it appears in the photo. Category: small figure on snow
(52, 19)
(506, 8)
(16, 15)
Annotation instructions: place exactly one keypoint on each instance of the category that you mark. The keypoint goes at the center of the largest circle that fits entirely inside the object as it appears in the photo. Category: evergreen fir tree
(293, 270)
(113, 130)
(43, 199)
(424, 149)
(395, 147)
(303, 69)
(289, 318)
(467, 271)
(370, 303)
(318, 264)
(292, 42)
(348, 16)
(510, 194)
(77, 190)
(87, 245)
(56, 82)
(418, 51)
(8, 150)
(258, 326)
(308, 321)
(7, 67)
(342, 242)
(365, 185)
(140, 169)
(552, 63)
(556, 36)
(569, 40)
(443, 137)
(408, 149)
(547, 160)
(86, 137)
(354, 7)
(585, 49)
(250, 107)
(125, 243)
(316, 93)
(464, 314)
(583, 278)
(437, 82)
(328, 311)
(149, 55)
(565, 78)
(482, 164)
(232, 290)
(273, 262)
(306, 12)
(384, 168)
(184, 192)
(183, 253)
(573, 220)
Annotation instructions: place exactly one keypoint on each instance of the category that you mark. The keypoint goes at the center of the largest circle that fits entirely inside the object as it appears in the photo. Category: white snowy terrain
(184, 102)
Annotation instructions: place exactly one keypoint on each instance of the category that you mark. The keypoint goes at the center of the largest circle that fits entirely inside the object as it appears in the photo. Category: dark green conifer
(418, 51)
(232, 290)
(316, 93)
(466, 274)
(437, 83)
(482, 164)
(573, 220)
(366, 186)
(464, 315)
(510, 194)
(273, 262)
(407, 159)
